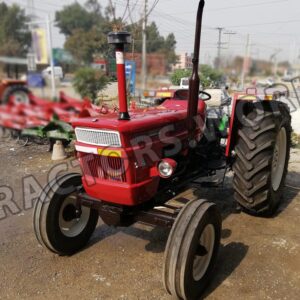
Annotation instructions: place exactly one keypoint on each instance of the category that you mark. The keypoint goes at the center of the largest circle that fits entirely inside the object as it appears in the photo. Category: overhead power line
(240, 6)
(265, 23)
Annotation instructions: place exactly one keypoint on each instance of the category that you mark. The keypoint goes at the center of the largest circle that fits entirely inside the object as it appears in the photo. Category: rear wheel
(262, 155)
(192, 249)
(19, 92)
(61, 224)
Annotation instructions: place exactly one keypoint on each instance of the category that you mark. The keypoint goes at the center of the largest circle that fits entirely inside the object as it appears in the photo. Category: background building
(184, 61)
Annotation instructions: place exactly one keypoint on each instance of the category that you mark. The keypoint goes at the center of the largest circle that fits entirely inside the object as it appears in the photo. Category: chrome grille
(98, 137)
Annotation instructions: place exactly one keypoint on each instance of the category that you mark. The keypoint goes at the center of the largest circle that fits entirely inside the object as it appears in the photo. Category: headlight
(166, 168)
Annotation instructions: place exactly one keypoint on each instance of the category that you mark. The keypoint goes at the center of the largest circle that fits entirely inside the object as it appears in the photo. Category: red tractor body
(126, 172)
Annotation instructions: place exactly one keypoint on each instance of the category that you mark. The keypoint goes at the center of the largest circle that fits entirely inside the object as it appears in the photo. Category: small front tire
(192, 250)
(60, 223)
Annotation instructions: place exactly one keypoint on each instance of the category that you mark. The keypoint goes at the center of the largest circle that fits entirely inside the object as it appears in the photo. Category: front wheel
(192, 250)
(61, 224)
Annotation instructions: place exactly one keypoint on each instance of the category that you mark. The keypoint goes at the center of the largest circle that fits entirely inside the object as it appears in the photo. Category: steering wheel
(202, 93)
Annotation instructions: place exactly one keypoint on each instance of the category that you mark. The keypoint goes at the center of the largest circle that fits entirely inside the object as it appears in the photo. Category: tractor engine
(124, 162)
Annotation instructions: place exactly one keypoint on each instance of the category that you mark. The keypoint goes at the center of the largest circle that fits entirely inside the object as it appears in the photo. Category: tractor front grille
(103, 167)
(98, 137)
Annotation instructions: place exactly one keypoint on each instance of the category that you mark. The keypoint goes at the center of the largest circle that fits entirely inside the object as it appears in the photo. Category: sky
(272, 24)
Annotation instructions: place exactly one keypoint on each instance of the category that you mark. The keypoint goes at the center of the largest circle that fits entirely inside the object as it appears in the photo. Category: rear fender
(239, 109)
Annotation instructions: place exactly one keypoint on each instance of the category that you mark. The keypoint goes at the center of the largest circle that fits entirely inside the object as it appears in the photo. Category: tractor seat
(181, 94)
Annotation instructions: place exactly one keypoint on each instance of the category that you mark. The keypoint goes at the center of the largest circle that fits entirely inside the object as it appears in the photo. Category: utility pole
(220, 30)
(49, 34)
(274, 57)
(144, 49)
(132, 48)
(47, 24)
(31, 64)
(229, 34)
(246, 62)
(112, 10)
(31, 10)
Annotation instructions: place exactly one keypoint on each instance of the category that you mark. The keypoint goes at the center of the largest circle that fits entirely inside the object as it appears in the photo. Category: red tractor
(134, 162)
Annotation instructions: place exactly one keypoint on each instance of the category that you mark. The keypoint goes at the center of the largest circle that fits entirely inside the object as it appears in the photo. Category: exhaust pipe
(120, 39)
(194, 81)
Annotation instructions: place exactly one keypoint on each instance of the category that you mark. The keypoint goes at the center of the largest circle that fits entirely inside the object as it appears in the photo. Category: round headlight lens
(165, 169)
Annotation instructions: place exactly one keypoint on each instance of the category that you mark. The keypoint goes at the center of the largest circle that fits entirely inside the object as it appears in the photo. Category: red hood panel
(141, 120)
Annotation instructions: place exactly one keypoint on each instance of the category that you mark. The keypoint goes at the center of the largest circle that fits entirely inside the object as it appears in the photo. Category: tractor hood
(141, 120)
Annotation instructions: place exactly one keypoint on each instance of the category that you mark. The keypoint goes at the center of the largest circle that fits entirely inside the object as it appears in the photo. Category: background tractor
(135, 162)
(16, 88)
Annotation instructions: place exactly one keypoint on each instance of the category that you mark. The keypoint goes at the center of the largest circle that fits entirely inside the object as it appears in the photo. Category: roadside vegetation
(209, 77)
(89, 82)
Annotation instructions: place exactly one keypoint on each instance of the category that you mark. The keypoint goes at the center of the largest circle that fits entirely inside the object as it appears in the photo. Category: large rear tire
(192, 250)
(262, 156)
(20, 93)
(60, 223)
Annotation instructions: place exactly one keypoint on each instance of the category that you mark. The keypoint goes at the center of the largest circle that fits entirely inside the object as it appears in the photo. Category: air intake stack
(194, 80)
(120, 39)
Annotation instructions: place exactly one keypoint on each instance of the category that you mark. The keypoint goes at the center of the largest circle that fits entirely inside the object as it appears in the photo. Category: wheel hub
(70, 212)
(204, 252)
(21, 97)
(73, 220)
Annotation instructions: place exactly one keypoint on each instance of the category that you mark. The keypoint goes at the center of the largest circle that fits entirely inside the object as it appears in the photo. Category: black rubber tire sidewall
(277, 195)
(62, 244)
(195, 288)
(11, 90)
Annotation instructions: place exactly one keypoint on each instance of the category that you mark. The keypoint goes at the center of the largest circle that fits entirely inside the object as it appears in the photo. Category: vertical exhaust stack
(120, 39)
(195, 80)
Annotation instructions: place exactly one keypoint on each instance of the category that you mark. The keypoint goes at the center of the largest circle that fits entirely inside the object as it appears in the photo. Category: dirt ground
(259, 258)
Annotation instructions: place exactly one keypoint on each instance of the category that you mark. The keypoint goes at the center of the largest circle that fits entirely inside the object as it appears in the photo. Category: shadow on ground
(156, 237)
(231, 254)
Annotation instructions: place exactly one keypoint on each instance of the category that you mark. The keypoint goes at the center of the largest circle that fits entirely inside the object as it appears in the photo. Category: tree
(209, 77)
(85, 29)
(155, 42)
(178, 74)
(169, 49)
(15, 37)
(88, 82)
(84, 45)
(94, 7)
(73, 17)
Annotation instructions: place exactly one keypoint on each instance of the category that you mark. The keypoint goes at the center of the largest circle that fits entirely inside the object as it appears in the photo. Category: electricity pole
(31, 10)
(229, 34)
(220, 30)
(49, 34)
(274, 57)
(31, 63)
(144, 49)
(246, 62)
